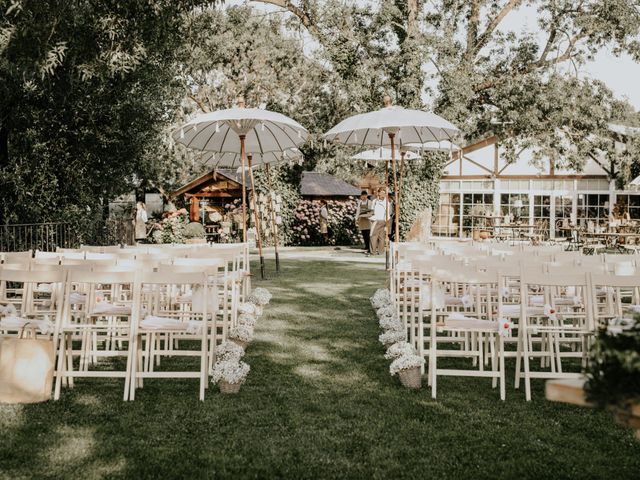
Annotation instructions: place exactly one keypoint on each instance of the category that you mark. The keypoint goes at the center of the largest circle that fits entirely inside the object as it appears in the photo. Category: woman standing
(324, 220)
(141, 222)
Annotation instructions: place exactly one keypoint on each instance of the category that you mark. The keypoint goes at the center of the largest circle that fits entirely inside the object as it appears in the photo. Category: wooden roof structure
(222, 183)
(317, 184)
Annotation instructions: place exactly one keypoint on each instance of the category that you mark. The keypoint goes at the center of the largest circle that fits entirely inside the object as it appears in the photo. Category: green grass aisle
(318, 403)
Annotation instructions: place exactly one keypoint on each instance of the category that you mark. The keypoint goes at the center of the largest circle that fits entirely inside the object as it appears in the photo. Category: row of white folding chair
(466, 329)
(131, 330)
(531, 317)
(108, 324)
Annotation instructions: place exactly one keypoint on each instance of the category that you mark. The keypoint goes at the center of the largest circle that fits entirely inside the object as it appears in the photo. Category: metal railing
(40, 236)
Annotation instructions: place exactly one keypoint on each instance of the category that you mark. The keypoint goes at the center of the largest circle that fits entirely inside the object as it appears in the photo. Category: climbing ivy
(420, 188)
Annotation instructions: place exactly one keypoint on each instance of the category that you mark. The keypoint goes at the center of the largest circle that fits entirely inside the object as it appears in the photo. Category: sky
(621, 74)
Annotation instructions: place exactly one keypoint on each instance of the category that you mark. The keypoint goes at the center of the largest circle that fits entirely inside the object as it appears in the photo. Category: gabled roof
(211, 178)
(316, 184)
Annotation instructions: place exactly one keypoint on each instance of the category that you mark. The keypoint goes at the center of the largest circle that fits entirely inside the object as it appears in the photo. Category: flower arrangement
(405, 362)
(260, 297)
(246, 319)
(386, 311)
(392, 336)
(380, 298)
(399, 349)
(390, 323)
(241, 333)
(227, 351)
(233, 372)
(247, 309)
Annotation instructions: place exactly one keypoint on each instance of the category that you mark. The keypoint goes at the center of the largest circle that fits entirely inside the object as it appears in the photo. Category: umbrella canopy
(635, 181)
(233, 160)
(220, 131)
(384, 154)
(442, 146)
(409, 126)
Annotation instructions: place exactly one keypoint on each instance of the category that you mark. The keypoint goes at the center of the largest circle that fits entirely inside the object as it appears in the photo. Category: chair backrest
(16, 257)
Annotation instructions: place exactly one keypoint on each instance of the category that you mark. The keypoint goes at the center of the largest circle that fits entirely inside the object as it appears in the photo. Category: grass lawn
(318, 403)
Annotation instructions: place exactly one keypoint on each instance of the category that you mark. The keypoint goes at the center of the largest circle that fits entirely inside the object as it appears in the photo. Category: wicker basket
(226, 387)
(242, 343)
(411, 378)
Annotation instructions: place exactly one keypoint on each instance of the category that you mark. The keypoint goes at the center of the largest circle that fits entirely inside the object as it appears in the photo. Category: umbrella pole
(256, 217)
(395, 191)
(274, 226)
(401, 173)
(386, 214)
(244, 191)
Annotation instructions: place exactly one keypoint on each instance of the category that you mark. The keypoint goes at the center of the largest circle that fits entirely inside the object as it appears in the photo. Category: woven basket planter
(242, 343)
(411, 378)
(226, 387)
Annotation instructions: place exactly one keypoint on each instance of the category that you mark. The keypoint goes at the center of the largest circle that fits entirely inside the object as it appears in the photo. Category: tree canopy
(90, 90)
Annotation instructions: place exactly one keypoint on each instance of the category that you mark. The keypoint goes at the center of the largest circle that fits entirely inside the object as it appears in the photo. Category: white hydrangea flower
(246, 319)
(247, 308)
(390, 323)
(380, 298)
(229, 351)
(405, 362)
(260, 296)
(392, 336)
(243, 333)
(386, 311)
(399, 349)
(231, 371)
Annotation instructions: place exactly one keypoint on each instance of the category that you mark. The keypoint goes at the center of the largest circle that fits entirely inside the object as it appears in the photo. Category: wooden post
(395, 188)
(244, 191)
(274, 226)
(256, 216)
(386, 214)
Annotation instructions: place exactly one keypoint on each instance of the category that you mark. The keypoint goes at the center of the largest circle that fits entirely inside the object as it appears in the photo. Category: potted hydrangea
(408, 369)
(399, 349)
(230, 375)
(390, 337)
(241, 334)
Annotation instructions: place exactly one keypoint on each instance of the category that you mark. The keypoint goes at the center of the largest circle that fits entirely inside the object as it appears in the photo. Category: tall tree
(86, 89)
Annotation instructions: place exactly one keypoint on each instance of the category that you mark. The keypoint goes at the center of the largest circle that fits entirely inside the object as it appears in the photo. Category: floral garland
(405, 362)
(231, 371)
(386, 311)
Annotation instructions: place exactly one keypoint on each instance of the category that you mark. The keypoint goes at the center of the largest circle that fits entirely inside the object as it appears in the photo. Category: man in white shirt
(380, 218)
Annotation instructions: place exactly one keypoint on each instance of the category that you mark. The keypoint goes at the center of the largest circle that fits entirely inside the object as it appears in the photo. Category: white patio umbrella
(244, 131)
(233, 160)
(386, 126)
(241, 130)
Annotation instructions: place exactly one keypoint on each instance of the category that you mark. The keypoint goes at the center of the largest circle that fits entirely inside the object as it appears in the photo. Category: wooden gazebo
(217, 187)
